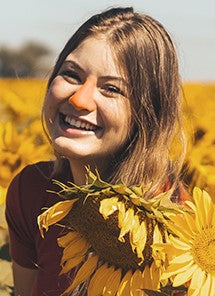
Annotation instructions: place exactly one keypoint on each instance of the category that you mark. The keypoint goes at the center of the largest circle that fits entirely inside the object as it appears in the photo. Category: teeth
(87, 126)
(83, 125)
(78, 123)
(72, 121)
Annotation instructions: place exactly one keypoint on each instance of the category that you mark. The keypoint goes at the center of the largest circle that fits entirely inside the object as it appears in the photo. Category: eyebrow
(74, 64)
(107, 77)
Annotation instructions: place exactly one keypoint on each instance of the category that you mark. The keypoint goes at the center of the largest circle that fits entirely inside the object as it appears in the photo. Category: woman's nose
(83, 98)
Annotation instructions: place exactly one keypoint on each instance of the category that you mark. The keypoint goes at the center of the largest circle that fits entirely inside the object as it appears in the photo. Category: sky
(191, 24)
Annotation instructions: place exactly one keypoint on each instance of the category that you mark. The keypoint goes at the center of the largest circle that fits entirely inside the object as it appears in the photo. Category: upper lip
(81, 119)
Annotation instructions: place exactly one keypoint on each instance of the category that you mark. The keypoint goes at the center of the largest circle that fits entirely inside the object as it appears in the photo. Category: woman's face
(86, 109)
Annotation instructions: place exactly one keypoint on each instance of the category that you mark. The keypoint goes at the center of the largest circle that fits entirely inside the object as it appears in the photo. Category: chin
(72, 151)
(83, 151)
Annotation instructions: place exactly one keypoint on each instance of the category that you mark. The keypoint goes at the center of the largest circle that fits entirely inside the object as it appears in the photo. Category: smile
(72, 122)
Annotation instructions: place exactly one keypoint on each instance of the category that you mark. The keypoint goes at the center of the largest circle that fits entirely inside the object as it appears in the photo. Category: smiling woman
(89, 94)
(112, 103)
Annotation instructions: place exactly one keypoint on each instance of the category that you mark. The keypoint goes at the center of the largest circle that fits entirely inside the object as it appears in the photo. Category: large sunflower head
(112, 231)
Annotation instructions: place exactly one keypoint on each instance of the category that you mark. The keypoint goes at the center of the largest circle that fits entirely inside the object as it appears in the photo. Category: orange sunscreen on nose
(82, 99)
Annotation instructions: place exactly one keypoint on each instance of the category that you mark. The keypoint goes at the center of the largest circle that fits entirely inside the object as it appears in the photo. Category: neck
(78, 169)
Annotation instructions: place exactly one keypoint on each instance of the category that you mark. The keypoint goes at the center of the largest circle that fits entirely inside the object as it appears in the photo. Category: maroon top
(26, 199)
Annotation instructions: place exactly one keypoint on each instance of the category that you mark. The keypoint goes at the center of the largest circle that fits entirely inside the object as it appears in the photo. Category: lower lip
(74, 132)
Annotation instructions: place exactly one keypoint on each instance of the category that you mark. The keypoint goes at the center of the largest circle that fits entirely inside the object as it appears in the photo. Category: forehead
(95, 55)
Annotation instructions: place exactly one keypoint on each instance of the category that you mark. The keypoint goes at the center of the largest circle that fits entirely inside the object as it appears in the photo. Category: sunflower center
(103, 235)
(204, 250)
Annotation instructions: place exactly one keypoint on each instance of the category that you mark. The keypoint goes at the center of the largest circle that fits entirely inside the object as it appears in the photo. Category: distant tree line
(30, 60)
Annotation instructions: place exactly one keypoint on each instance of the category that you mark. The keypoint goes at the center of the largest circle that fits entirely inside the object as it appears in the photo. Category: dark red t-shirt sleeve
(22, 248)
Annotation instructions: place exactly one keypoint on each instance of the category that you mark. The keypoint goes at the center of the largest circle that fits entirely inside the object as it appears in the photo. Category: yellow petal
(210, 217)
(108, 206)
(197, 196)
(206, 288)
(157, 236)
(172, 251)
(180, 232)
(191, 205)
(112, 283)
(191, 224)
(186, 257)
(121, 215)
(142, 240)
(134, 234)
(184, 277)
(181, 224)
(199, 201)
(75, 248)
(176, 269)
(65, 240)
(155, 273)
(83, 273)
(208, 207)
(147, 280)
(178, 243)
(213, 218)
(71, 263)
(98, 280)
(197, 281)
(212, 284)
(54, 214)
(124, 287)
(158, 254)
(126, 224)
(136, 283)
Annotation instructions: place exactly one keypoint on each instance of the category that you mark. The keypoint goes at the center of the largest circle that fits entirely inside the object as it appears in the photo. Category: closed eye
(110, 89)
(71, 76)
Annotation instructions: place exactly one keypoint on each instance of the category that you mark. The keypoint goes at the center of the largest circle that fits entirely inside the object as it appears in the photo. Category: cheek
(59, 89)
(124, 113)
(50, 108)
(49, 104)
(125, 119)
(118, 115)
(56, 93)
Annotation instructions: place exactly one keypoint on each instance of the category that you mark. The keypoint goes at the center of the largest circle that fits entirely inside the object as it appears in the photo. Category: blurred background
(33, 32)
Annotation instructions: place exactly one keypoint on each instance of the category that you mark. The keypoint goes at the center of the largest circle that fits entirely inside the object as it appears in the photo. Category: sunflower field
(23, 142)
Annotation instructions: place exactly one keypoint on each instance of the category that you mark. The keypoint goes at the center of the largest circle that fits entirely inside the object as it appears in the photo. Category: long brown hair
(146, 56)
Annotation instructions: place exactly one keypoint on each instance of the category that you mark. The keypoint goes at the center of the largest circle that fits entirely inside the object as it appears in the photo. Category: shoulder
(44, 172)
(31, 178)
(27, 190)
(40, 171)
(25, 197)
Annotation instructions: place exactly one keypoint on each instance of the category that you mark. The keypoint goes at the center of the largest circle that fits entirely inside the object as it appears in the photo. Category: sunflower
(112, 231)
(191, 251)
